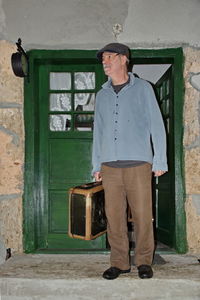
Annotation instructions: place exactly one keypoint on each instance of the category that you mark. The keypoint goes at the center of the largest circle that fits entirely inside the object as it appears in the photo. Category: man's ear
(123, 58)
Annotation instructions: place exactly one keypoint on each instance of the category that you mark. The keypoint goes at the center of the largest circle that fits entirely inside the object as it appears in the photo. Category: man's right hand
(97, 176)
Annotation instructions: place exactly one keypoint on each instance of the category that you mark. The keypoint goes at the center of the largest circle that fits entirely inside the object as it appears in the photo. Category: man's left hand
(158, 173)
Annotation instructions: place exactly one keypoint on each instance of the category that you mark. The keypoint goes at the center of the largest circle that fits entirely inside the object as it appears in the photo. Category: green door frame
(31, 204)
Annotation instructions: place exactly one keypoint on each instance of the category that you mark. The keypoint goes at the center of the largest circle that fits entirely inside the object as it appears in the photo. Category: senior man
(129, 143)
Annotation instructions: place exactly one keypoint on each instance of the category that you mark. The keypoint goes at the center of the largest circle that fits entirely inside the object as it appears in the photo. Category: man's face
(112, 63)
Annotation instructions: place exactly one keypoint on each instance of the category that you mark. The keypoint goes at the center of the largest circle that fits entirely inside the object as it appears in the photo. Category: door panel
(164, 186)
(57, 211)
(66, 109)
(69, 161)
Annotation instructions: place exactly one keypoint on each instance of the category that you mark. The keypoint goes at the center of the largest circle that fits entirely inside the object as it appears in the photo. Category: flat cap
(115, 48)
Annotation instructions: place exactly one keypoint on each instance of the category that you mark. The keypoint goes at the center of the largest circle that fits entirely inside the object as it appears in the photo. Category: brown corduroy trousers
(131, 184)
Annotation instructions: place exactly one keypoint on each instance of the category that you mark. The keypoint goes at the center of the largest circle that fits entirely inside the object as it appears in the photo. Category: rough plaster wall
(153, 23)
(62, 24)
(192, 146)
(88, 24)
(11, 151)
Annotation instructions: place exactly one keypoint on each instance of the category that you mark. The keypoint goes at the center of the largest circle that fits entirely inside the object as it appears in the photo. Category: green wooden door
(66, 111)
(164, 186)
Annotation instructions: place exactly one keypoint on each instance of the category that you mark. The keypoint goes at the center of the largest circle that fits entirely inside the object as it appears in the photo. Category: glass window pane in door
(60, 102)
(163, 106)
(168, 125)
(84, 101)
(167, 105)
(60, 122)
(84, 80)
(60, 81)
(83, 122)
(167, 87)
(161, 92)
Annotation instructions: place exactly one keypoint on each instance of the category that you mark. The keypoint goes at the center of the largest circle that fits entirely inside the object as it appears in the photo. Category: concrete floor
(79, 277)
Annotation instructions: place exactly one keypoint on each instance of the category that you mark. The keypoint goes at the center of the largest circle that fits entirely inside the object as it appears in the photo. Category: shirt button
(115, 121)
(117, 104)
(115, 139)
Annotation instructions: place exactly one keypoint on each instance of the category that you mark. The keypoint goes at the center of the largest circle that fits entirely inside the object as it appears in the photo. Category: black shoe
(114, 272)
(145, 271)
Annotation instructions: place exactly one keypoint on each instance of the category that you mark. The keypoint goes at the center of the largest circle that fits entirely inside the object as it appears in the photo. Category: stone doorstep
(79, 277)
(84, 266)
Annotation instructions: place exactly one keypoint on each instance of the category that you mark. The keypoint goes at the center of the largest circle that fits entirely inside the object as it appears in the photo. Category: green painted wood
(35, 232)
(65, 161)
(180, 222)
(164, 186)
(30, 169)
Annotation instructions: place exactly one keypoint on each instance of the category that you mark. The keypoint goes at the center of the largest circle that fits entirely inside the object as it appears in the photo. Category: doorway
(58, 156)
(160, 77)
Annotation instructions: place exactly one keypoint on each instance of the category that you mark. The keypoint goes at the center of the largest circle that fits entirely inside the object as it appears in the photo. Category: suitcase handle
(89, 185)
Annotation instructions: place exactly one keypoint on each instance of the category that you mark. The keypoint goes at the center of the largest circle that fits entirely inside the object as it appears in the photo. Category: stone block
(11, 165)
(195, 81)
(196, 202)
(11, 87)
(11, 222)
(2, 252)
(192, 171)
(192, 60)
(193, 226)
(11, 119)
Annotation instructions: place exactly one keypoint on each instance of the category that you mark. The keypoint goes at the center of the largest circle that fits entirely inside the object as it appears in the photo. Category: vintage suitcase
(87, 218)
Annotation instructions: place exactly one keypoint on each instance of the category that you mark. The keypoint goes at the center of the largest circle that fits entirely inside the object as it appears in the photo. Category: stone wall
(192, 147)
(11, 151)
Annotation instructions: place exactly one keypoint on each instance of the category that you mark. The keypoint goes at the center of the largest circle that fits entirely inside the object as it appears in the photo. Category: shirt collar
(108, 85)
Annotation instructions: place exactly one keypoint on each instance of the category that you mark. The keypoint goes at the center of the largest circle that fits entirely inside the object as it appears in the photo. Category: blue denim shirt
(127, 125)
